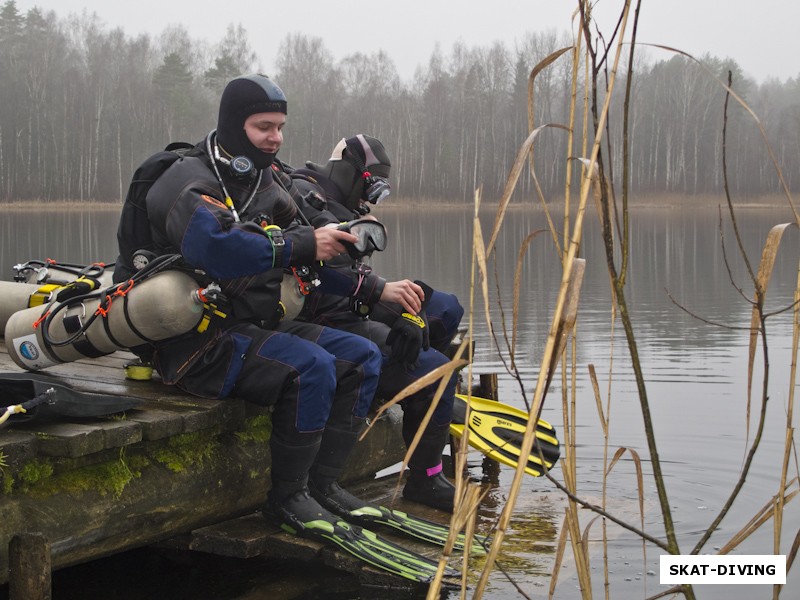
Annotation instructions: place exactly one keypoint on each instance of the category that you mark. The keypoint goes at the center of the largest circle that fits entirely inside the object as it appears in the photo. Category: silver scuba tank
(57, 273)
(162, 306)
(16, 296)
(292, 298)
(297, 283)
(36, 281)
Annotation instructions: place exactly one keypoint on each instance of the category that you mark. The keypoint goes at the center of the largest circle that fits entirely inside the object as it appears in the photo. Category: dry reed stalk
(559, 559)
(462, 489)
(765, 268)
(757, 326)
(546, 62)
(523, 250)
(511, 183)
(762, 516)
(552, 341)
(790, 429)
(792, 377)
(604, 424)
(466, 509)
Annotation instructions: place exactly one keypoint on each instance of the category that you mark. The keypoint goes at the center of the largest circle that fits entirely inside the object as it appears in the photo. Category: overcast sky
(761, 35)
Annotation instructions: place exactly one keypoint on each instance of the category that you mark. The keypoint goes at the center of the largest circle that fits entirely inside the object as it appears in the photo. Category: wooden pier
(177, 468)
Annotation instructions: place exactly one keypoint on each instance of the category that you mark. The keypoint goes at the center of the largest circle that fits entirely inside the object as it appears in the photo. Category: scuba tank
(36, 282)
(16, 296)
(54, 273)
(297, 283)
(156, 307)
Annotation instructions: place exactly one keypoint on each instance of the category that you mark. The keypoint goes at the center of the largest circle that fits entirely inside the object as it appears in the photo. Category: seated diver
(222, 210)
(412, 324)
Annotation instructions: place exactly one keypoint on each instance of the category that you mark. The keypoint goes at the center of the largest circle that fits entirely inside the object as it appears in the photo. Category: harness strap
(74, 324)
(128, 320)
(42, 295)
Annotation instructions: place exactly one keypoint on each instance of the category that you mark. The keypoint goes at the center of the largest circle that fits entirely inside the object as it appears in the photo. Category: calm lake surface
(696, 375)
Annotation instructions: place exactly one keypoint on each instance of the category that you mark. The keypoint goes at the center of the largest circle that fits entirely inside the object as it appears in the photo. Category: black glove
(80, 287)
(409, 334)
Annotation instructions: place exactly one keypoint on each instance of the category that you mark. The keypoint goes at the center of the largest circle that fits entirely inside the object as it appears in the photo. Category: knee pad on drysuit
(305, 404)
(358, 366)
(444, 313)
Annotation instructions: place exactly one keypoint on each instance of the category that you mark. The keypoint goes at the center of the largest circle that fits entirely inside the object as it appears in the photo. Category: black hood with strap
(350, 161)
(245, 96)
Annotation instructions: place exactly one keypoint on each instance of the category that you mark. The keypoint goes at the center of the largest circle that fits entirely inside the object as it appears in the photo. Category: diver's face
(265, 130)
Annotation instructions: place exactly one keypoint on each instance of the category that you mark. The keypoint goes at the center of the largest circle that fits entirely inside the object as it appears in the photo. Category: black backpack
(133, 233)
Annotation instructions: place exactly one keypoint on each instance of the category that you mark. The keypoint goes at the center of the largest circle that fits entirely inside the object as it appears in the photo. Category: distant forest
(82, 105)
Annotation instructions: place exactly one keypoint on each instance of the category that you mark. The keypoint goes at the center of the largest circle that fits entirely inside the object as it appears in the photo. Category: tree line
(81, 105)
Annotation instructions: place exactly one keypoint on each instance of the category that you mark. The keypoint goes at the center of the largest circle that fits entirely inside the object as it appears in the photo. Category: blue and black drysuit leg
(444, 313)
(395, 377)
(358, 364)
(312, 390)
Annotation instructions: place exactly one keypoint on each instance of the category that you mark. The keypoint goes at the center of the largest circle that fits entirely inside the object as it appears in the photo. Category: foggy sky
(760, 36)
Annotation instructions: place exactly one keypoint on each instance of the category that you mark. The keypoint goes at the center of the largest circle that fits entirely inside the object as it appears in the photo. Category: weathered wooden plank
(30, 565)
(173, 465)
(252, 535)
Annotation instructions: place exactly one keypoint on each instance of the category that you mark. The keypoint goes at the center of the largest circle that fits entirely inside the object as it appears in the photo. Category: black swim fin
(19, 389)
(361, 543)
(416, 527)
(497, 429)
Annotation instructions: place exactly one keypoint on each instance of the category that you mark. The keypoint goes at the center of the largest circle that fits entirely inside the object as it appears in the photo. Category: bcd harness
(70, 300)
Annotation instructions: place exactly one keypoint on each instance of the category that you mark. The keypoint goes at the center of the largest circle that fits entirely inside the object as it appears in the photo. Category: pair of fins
(369, 547)
(346, 521)
(497, 430)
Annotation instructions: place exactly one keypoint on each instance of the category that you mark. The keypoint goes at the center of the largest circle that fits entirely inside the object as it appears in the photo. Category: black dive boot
(336, 447)
(435, 490)
(427, 484)
(289, 504)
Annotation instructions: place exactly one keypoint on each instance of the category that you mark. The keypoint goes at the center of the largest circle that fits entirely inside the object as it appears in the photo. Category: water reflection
(696, 372)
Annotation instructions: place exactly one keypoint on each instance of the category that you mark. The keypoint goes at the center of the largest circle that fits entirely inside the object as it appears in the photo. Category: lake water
(696, 374)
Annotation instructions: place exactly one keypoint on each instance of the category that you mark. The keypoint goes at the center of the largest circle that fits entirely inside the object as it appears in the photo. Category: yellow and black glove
(408, 336)
(80, 287)
(410, 333)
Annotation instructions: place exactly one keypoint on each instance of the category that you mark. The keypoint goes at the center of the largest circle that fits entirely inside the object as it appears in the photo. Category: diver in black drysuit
(320, 381)
(342, 190)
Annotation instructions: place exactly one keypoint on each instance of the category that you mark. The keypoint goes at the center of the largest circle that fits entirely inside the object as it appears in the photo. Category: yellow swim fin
(497, 429)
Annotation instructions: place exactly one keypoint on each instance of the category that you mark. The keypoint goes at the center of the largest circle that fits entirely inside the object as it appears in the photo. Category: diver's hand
(406, 293)
(329, 242)
(408, 336)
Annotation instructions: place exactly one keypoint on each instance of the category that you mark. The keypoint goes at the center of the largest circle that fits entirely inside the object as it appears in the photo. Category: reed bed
(595, 61)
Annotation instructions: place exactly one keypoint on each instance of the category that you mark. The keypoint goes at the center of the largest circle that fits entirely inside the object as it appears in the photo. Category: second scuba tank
(162, 306)
(17, 296)
(62, 273)
(37, 281)
(296, 285)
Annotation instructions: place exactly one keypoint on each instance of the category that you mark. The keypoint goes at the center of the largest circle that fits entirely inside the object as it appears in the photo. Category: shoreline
(658, 201)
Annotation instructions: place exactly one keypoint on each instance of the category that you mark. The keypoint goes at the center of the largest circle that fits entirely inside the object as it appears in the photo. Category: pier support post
(488, 389)
(30, 567)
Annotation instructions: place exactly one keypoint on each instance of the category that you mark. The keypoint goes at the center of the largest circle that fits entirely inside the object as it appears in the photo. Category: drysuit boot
(335, 498)
(426, 483)
(337, 444)
(288, 501)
